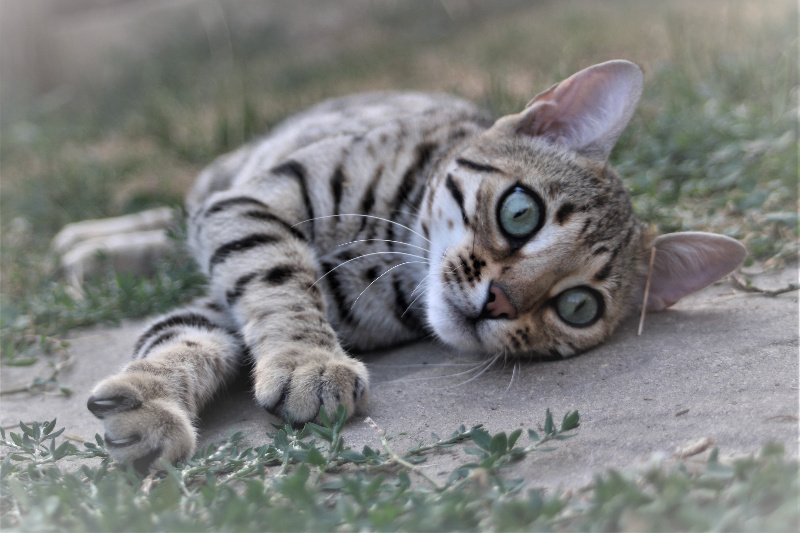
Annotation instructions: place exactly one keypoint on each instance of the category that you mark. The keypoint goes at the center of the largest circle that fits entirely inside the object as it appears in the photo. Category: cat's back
(403, 115)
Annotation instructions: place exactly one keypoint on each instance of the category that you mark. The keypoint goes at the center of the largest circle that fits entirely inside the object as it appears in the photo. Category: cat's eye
(520, 213)
(579, 306)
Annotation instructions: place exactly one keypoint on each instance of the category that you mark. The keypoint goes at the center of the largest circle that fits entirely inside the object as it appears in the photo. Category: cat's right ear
(588, 111)
(686, 262)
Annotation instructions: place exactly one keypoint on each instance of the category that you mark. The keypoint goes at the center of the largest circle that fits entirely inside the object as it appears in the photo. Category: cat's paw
(293, 386)
(143, 425)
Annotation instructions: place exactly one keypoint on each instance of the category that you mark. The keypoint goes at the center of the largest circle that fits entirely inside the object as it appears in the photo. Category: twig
(399, 460)
(34, 385)
(647, 289)
(747, 286)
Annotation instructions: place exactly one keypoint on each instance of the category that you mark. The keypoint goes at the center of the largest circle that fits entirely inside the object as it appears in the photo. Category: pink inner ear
(588, 111)
(689, 261)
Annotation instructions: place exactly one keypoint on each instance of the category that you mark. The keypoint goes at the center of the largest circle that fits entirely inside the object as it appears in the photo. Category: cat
(378, 219)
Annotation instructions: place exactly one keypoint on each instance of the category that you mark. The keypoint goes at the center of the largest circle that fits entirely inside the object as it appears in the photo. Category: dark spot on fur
(564, 212)
(279, 274)
(371, 274)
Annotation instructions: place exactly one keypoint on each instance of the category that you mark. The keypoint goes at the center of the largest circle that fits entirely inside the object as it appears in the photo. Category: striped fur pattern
(375, 220)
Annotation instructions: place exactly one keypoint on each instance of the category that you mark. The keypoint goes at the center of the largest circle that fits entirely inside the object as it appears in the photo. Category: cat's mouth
(458, 327)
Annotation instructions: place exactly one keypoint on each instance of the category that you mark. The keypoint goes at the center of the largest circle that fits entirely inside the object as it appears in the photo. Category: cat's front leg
(264, 269)
(149, 409)
(299, 364)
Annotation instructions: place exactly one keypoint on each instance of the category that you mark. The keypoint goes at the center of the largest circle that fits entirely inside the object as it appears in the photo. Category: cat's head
(534, 244)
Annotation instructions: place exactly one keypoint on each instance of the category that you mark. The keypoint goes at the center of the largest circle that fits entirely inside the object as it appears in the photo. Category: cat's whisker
(425, 260)
(412, 303)
(429, 378)
(513, 373)
(420, 284)
(430, 365)
(379, 277)
(479, 374)
(365, 216)
(384, 240)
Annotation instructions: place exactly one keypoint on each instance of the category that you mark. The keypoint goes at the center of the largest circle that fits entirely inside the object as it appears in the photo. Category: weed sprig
(308, 479)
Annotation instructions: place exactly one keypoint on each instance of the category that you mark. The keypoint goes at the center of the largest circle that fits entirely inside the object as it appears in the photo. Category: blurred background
(112, 106)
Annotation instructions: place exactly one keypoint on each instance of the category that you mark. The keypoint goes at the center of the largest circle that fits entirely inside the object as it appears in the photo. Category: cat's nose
(497, 304)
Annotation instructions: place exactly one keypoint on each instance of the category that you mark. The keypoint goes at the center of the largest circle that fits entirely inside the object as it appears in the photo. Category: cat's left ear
(588, 111)
(687, 262)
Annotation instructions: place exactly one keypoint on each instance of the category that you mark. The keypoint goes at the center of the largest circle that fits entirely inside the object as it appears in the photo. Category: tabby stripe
(458, 196)
(187, 319)
(295, 170)
(336, 291)
(603, 274)
(368, 201)
(606, 270)
(264, 215)
(337, 184)
(424, 152)
(213, 306)
(279, 274)
(401, 305)
(236, 292)
(221, 205)
(161, 339)
(480, 167)
(242, 245)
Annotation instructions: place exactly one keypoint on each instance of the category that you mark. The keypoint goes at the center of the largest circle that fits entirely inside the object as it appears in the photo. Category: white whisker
(476, 376)
(365, 216)
(425, 260)
(412, 303)
(384, 240)
(513, 373)
(420, 364)
(379, 277)
(420, 284)
(429, 378)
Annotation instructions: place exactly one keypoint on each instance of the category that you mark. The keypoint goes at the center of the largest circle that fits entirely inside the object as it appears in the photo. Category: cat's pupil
(579, 306)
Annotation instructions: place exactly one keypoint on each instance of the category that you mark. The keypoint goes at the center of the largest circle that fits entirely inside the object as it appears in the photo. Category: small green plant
(305, 479)
(308, 479)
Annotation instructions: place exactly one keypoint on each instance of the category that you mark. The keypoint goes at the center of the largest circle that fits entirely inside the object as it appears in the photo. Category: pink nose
(498, 305)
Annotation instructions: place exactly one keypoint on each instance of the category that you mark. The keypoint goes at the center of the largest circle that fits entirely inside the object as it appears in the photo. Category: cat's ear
(688, 261)
(588, 111)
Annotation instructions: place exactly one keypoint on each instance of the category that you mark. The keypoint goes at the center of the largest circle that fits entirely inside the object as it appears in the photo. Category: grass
(713, 147)
(309, 480)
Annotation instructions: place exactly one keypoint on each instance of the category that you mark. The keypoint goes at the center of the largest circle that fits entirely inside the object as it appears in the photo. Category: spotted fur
(374, 220)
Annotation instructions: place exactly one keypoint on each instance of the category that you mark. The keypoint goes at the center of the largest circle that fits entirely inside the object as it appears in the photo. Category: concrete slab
(721, 364)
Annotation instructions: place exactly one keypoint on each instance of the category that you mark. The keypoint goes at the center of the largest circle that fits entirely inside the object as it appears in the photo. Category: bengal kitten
(376, 219)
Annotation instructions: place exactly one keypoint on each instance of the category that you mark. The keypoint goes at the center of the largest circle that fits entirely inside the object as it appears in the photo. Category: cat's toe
(100, 406)
(114, 395)
(159, 430)
(143, 425)
(296, 393)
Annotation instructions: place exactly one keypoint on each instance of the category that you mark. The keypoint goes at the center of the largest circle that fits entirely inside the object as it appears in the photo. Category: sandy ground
(721, 364)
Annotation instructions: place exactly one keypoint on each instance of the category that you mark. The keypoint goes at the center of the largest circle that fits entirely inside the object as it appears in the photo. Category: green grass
(309, 480)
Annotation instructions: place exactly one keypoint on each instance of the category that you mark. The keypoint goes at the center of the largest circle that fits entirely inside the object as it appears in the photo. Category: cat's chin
(453, 327)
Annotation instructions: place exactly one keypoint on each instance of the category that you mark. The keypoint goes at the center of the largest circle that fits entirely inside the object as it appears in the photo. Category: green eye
(579, 307)
(520, 213)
